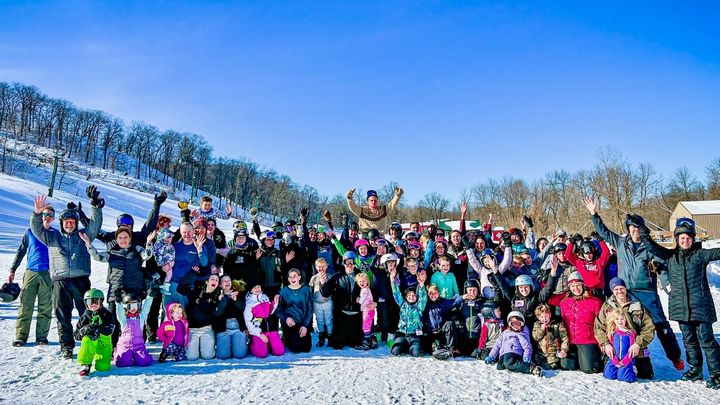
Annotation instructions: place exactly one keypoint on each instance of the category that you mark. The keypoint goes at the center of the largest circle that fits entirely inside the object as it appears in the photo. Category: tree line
(177, 160)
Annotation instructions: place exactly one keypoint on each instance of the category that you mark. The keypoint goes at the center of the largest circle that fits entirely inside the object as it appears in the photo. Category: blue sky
(435, 95)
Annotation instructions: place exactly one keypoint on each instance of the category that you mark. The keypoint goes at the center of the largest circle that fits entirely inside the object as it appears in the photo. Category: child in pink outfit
(367, 306)
(262, 324)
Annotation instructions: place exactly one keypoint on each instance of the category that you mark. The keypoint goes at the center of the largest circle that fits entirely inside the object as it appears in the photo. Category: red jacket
(579, 317)
(593, 273)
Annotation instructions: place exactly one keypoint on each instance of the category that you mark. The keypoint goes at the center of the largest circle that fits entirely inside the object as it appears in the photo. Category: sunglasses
(685, 222)
(47, 214)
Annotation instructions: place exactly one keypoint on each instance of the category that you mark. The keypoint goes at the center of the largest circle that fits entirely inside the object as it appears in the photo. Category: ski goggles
(270, 234)
(516, 323)
(132, 306)
(125, 221)
(48, 214)
(412, 235)
(93, 301)
(69, 215)
(278, 229)
(685, 222)
(381, 242)
(240, 225)
(290, 229)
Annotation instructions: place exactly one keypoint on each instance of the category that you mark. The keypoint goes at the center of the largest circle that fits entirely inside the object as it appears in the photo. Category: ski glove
(489, 360)
(160, 198)
(528, 221)
(94, 195)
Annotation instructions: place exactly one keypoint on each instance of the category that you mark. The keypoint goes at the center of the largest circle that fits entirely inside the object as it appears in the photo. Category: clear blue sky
(435, 95)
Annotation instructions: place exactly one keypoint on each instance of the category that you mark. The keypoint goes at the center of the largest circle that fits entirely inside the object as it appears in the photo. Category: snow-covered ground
(33, 374)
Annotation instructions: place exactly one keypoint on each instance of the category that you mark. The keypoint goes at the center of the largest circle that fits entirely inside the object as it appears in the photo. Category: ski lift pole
(51, 187)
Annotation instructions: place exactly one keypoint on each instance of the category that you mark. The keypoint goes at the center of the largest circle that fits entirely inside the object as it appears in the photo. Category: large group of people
(528, 305)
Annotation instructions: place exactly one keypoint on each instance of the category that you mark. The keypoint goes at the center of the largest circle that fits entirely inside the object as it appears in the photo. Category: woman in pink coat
(579, 309)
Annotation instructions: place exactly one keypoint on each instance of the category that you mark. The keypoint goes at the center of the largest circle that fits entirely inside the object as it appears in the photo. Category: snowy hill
(33, 374)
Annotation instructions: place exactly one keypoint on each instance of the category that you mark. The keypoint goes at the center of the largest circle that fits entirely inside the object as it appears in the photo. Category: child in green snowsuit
(94, 329)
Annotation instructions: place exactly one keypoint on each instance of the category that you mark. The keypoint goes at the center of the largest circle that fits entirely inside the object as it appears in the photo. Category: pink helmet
(361, 242)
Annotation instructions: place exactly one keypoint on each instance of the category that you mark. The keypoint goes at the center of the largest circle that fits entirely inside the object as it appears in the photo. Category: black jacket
(343, 290)
(93, 324)
(228, 308)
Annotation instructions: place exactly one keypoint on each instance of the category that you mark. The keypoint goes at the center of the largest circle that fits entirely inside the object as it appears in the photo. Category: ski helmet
(267, 234)
(471, 283)
(397, 227)
(588, 247)
(488, 252)
(93, 294)
(349, 256)
(685, 226)
(360, 242)
(411, 235)
(633, 220)
(373, 234)
(516, 314)
(389, 257)
(69, 214)
(523, 279)
(353, 226)
(488, 309)
(9, 292)
(125, 220)
(559, 247)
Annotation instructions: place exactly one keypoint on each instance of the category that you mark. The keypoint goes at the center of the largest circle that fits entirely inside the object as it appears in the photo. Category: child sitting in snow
(164, 253)
(94, 329)
(174, 333)
(620, 366)
(262, 323)
(130, 349)
(410, 328)
(513, 349)
(491, 329)
(552, 339)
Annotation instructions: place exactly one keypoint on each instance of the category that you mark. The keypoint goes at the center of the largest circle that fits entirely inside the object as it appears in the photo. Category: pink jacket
(166, 331)
(579, 317)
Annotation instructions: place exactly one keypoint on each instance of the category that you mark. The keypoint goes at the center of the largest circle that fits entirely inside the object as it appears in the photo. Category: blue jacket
(37, 253)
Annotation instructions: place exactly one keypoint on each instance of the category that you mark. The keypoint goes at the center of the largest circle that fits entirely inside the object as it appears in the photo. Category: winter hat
(371, 193)
(200, 222)
(617, 282)
(575, 277)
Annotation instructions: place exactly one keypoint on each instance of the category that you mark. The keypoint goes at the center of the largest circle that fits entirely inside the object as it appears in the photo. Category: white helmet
(516, 314)
(389, 257)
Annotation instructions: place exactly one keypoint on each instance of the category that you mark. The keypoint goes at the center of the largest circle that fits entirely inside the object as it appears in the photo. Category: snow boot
(442, 354)
(714, 381)
(67, 352)
(42, 341)
(321, 339)
(85, 370)
(537, 370)
(694, 374)
(18, 343)
(373, 342)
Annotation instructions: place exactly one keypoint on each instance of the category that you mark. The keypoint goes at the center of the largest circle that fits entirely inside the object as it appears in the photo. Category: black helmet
(353, 226)
(129, 297)
(488, 309)
(290, 222)
(634, 220)
(69, 214)
(373, 234)
(125, 220)
(9, 292)
(684, 225)
(397, 227)
(471, 283)
(559, 247)
(588, 247)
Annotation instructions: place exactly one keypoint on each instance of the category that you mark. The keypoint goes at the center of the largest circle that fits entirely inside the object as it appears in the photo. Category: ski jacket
(579, 314)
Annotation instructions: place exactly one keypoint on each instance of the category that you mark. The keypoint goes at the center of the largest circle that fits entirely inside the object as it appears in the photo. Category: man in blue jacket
(36, 284)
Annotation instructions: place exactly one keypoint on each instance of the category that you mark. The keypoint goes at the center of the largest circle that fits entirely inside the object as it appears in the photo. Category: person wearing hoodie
(690, 303)
(410, 328)
(202, 303)
(229, 322)
(130, 349)
(174, 333)
(262, 323)
(69, 262)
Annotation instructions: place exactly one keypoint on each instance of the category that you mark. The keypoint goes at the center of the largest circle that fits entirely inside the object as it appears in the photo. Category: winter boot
(321, 339)
(365, 345)
(694, 374)
(85, 370)
(442, 354)
(373, 342)
(18, 342)
(42, 341)
(537, 370)
(67, 352)
(714, 381)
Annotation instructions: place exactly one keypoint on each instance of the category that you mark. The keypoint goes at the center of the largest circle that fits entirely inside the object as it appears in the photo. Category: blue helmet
(523, 279)
(349, 256)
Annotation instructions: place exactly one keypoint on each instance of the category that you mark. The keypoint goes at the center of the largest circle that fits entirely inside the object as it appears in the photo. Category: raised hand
(289, 256)
(228, 209)
(160, 198)
(463, 209)
(151, 236)
(40, 203)
(591, 205)
(258, 253)
(253, 213)
(399, 191)
(303, 215)
(350, 193)
(421, 277)
(199, 240)
(85, 238)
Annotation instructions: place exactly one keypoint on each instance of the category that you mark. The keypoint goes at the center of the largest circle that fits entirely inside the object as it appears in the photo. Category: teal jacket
(411, 315)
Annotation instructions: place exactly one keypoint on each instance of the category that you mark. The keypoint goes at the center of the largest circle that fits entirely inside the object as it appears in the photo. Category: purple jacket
(132, 328)
(513, 342)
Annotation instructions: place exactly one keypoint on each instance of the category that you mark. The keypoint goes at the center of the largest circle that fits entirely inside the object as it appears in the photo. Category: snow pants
(66, 293)
(624, 373)
(407, 344)
(201, 344)
(99, 350)
(585, 357)
(36, 285)
(388, 316)
(697, 335)
(136, 356)
(172, 350)
(260, 349)
(347, 330)
(513, 362)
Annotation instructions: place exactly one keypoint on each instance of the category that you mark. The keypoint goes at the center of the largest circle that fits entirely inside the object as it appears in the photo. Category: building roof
(702, 207)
